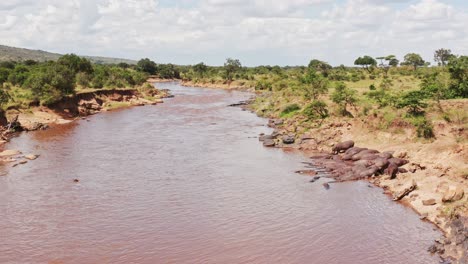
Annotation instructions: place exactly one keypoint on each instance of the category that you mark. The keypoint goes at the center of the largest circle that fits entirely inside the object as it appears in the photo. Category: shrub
(413, 101)
(344, 96)
(290, 109)
(316, 109)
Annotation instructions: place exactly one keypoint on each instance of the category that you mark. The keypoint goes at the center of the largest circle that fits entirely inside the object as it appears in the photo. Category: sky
(257, 32)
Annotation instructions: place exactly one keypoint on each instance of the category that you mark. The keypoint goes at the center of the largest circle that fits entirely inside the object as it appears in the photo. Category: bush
(290, 109)
(414, 102)
(316, 109)
(424, 128)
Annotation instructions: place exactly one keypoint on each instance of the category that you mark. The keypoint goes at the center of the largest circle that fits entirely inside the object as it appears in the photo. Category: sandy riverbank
(67, 110)
(438, 168)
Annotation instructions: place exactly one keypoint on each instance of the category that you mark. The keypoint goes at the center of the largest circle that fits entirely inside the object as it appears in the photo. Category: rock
(308, 172)
(269, 143)
(407, 190)
(23, 162)
(76, 180)
(9, 152)
(453, 195)
(429, 202)
(265, 137)
(326, 186)
(31, 156)
(288, 139)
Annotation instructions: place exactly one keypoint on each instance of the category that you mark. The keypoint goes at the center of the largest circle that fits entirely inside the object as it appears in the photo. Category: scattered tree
(367, 62)
(414, 60)
(231, 66)
(442, 56)
(320, 66)
(147, 65)
(200, 69)
(316, 110)
(314, 85)
(386, 62)
(344, 96)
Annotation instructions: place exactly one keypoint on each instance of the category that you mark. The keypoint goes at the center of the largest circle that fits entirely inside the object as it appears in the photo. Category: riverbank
(68, 109)
(434, 180)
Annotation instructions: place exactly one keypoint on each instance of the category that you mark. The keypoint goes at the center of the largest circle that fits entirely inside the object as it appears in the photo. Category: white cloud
(256, 31)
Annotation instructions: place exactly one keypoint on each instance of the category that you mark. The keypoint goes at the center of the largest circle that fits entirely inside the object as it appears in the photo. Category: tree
(314, 85)
(413, 101)
(231, 66)
(76, 64)
(414, 60)
(344, 96)
(147, 65)
(320, 66)
(316, 109)
(442, 56)
(200, 69)
(367, 62)
(458, 69)
(386, 62)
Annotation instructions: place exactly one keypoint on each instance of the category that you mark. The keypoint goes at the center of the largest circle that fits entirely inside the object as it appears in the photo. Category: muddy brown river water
(188, 182)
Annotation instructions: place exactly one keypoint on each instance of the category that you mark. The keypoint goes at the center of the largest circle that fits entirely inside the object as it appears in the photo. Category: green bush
(318, 109)
(290, 109)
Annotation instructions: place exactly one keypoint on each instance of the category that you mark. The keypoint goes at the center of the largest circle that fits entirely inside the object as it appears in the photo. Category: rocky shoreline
(68, 109)
(407, 180)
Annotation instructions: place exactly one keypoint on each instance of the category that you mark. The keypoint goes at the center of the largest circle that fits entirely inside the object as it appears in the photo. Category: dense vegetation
(409, 92)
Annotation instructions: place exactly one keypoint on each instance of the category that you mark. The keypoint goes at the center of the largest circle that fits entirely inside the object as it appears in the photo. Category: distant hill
(19, 54)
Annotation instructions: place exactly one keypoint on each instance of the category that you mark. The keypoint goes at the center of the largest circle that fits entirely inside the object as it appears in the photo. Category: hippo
(392, 170)
(398, 162)
(373, 170)
(381, 163)
(343, 146)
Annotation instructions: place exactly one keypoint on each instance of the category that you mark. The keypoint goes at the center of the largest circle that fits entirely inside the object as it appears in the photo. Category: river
(188, 182)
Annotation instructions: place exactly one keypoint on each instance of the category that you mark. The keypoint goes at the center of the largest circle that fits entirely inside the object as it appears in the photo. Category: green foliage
(414, 60)
(4, 73)
(231, 66)
(4, 97)
(442, 56)
(263, 85)
(50, 82)
(19, 74)
(320, 66)
(76, 64)
(424, 128)
(200, 69)
(344, 96)
(314, 85)
(318, 109)
(414, 101)
(372, 87)
(367, 62)
(289, 110)
(147, 65)
(381, 97)
(458, 68)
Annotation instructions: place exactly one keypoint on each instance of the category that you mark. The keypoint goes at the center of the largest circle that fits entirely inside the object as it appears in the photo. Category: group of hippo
(348, 162)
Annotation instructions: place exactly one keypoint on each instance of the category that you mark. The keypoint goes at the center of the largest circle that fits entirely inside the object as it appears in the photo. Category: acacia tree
(200, 69)
(314, 85)
(367, 62)
(442, 56)
(231, 66)
(320, 66)
(386, 62)
(147, 65)
(413, 59)
(344, 96)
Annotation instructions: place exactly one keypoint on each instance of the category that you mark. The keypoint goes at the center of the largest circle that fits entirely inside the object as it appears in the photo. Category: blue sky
(257, 32)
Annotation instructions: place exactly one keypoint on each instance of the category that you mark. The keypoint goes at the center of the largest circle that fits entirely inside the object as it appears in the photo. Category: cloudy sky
(275, 32)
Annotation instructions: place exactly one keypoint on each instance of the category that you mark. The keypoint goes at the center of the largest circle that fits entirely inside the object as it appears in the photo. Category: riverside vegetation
(409, 110)
(412, 112)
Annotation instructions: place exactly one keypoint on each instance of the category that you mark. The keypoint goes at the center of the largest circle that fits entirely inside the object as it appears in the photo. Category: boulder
(31, 156)
(406, 190)
(9, 152)
(429, 202)
(453, 195)
(269, 143)
(288, 139)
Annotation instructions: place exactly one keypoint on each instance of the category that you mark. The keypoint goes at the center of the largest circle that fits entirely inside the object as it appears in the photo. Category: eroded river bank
(188, 182)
